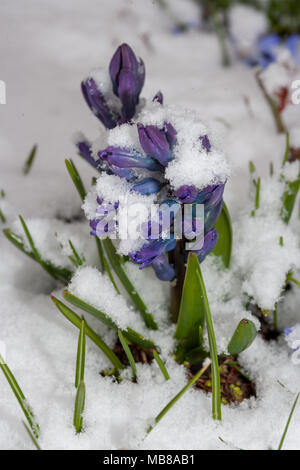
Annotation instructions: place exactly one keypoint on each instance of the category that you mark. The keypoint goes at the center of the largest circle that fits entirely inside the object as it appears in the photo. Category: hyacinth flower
(143, 165)
(266, 49)
(158, 144)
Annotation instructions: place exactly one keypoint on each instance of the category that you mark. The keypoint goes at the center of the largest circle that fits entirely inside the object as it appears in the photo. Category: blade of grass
(130, 334)
(76, 320)
(215, 371)
(36, 254)
(63, 274)
(79, 407)
(20, 397)
(287, 149)
(108, 270)
(76, 259)
(177, 397)
(31, 435)
(128, 354)
(114, 260)
(80, 361)
(294, 280)
(257, 195)
(2, 217)
(288, 423)
(161, 364)
(100, 253)
(30, 160)
(289, 198)
(72, 170)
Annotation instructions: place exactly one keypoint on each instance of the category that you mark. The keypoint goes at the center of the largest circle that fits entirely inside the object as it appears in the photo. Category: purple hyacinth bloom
(150, 251)
(163, 270)
(125, 158)
(210, 241)
(147, 186)
(186, 194)
(210, 195)
(128, 76)
(84, 148)
(211, 215)
(97, 103)
(159, 97)
(293, 45)
(157, 143)
(205, 142)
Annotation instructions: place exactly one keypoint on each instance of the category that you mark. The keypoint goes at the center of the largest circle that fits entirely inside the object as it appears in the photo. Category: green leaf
(32, 436)
(20, 397)
(128, 354)
(288, 423)
(161, 364)
(100, 253)
(289, 199)
(116, 264)
(76, 259)
(80, 361)
(215, 371)
(287, 149)
(223, 247)
(257, 194)
(242, 338)
(76, 320)
(62, 274)
(72, 170)
(79, 407)
(2, 217)
(130, 334)
(251, 167)
(30, 160)
(191, 313)
(177, 397)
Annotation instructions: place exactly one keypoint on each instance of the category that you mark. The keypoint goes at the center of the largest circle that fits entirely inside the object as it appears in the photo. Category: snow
(97, 290)
(44, 105)
(246, 25)
(192, 164)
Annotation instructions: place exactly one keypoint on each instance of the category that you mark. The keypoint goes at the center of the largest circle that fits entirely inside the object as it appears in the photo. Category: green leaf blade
(76, 320)
(114, 260)
(242, 338)
(16, 389)
(128, 354)
(191, 313)
(215, 371)
(80, 360)
(223, 248)
(79, 407)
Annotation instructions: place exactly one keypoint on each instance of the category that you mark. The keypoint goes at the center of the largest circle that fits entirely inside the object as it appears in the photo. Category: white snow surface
(44, 105)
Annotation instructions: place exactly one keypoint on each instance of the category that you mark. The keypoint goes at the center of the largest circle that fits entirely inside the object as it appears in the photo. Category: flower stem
(274, 109)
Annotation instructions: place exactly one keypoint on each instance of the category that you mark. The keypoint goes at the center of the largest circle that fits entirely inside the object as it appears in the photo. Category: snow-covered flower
(156, 154)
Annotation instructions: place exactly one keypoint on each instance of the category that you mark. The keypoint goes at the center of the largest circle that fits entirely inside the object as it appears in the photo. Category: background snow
(44, 56)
